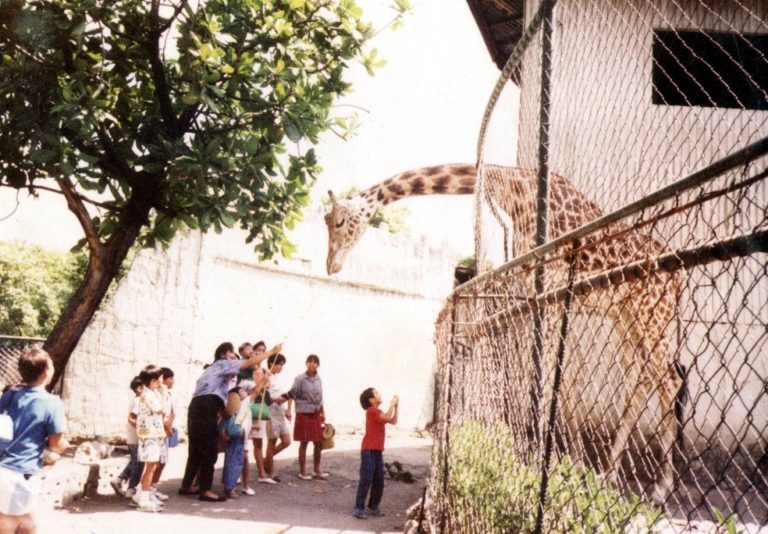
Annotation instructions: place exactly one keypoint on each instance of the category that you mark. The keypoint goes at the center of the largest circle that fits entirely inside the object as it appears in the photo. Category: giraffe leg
(669, 385)
(634, 403)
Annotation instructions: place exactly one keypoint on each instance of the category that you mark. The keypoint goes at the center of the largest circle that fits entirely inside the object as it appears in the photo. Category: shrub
(491, 490)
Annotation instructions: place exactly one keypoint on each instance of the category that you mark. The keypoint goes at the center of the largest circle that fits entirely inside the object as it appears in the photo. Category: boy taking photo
(372, 453)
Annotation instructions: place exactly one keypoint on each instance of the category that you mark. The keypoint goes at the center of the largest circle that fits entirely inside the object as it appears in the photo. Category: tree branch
(162, 91)
(123, 171)
(76, 206)
(104, 205)
(173, 17)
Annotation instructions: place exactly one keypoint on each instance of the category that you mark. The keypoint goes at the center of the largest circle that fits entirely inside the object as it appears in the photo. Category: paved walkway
(294, 506)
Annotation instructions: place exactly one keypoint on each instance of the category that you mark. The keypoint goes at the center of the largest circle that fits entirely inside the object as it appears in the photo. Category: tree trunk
(103, 265)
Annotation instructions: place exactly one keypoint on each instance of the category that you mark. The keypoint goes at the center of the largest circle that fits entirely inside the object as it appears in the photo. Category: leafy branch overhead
(209, 112)
(149, 116)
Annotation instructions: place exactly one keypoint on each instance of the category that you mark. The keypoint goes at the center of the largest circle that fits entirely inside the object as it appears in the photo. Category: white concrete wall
(371, 326)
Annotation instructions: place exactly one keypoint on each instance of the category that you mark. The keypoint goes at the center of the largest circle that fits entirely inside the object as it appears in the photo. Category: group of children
(255, 414)
(257, 409)
(149, 435)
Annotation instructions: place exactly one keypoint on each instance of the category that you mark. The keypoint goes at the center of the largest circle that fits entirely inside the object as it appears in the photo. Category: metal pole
(553, 404)
(546, 9)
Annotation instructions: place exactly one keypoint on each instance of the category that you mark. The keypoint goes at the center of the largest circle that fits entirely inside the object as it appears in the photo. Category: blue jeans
(233, 462)
(371, 478)
(134, 469)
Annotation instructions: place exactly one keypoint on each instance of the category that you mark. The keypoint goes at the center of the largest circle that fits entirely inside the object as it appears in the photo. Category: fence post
(545, 9)
(552, 421)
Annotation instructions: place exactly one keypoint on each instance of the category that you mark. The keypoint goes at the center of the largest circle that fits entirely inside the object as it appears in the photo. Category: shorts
(153, 450)
(279, 426)
(18, 492)
(260, 431)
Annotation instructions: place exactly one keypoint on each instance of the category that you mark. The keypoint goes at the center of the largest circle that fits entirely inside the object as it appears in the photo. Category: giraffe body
(641, 310)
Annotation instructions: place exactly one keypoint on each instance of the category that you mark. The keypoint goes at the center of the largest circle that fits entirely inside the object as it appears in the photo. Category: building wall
(372, 325)
(611, 141)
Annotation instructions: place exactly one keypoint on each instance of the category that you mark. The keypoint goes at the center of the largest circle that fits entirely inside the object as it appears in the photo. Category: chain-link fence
(608, 369)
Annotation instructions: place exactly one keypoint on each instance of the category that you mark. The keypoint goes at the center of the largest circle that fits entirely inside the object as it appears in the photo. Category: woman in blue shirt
(208, 400)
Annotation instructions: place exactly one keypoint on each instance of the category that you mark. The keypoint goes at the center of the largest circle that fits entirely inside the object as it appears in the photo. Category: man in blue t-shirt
(38, 421)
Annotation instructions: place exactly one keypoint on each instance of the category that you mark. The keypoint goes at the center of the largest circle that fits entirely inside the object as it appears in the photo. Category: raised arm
(391, 415)
(256, 359)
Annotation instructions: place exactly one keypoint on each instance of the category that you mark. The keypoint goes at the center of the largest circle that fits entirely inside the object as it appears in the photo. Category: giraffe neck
(454, 179)
(513, 189)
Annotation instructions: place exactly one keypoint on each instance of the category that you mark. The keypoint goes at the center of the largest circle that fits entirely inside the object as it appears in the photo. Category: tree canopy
(34, 286)
(150, 116)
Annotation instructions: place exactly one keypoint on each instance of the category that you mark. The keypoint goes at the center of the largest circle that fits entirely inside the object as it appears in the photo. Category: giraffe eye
(340, 223)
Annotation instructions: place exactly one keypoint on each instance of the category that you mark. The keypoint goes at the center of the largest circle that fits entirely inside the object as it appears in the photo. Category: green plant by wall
(491, 490)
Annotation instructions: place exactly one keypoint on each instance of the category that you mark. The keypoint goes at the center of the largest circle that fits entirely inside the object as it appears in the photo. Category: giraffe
(641, 310)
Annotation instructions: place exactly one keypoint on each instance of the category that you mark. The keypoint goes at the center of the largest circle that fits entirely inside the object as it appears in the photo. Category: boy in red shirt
(371, 454)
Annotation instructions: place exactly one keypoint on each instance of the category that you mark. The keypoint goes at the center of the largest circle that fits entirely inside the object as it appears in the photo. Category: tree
(34, 286)
(150, 116)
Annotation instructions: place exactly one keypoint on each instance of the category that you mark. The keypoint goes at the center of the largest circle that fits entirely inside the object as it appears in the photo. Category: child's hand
(395, 400)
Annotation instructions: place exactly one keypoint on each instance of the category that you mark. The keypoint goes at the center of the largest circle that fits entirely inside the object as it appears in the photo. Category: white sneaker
(150, 506)
(129, 492)
(135, 500)
(249, 491)
(159, 495)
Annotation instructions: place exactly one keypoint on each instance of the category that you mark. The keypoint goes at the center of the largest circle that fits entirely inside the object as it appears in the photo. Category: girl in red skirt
(307, 393)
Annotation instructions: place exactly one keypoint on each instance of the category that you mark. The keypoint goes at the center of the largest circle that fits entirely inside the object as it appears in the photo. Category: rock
(89, 452)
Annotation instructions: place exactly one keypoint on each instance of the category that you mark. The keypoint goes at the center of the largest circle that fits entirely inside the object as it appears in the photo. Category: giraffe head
(347, 222)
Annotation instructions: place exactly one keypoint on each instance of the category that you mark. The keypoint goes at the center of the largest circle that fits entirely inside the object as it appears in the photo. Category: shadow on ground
(293, 506)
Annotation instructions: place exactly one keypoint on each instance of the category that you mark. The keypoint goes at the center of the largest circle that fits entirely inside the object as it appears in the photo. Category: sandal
(206, 498)
(322, 476)
(305, 477)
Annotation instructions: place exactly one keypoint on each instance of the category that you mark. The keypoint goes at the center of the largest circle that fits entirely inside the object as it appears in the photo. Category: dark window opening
(711, 69)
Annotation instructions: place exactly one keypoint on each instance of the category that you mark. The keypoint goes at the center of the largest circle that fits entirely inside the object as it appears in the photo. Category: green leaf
(227, 219)
(292, 131)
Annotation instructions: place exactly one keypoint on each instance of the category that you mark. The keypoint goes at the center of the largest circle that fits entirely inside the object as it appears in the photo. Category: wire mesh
(11, 347)
(608, 371)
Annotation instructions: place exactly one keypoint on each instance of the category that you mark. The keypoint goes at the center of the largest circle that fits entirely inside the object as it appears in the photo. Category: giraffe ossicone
(640, 311)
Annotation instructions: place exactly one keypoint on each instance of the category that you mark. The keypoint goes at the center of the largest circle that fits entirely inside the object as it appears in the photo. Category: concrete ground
(294, 506)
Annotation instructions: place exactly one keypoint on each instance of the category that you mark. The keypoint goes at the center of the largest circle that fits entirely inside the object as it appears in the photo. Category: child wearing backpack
(237, 427)
(233, 428)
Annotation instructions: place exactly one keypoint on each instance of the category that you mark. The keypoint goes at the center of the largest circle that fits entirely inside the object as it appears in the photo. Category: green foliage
(728, 525)
(35, 284)
(394, 217)
(490, 488)
(468, 262)
(203, 113)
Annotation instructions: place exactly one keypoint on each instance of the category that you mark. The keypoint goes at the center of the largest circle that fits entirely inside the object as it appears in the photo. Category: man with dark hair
(38, 421)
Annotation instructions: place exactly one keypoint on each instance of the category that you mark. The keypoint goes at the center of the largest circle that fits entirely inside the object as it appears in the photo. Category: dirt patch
(293, 506)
